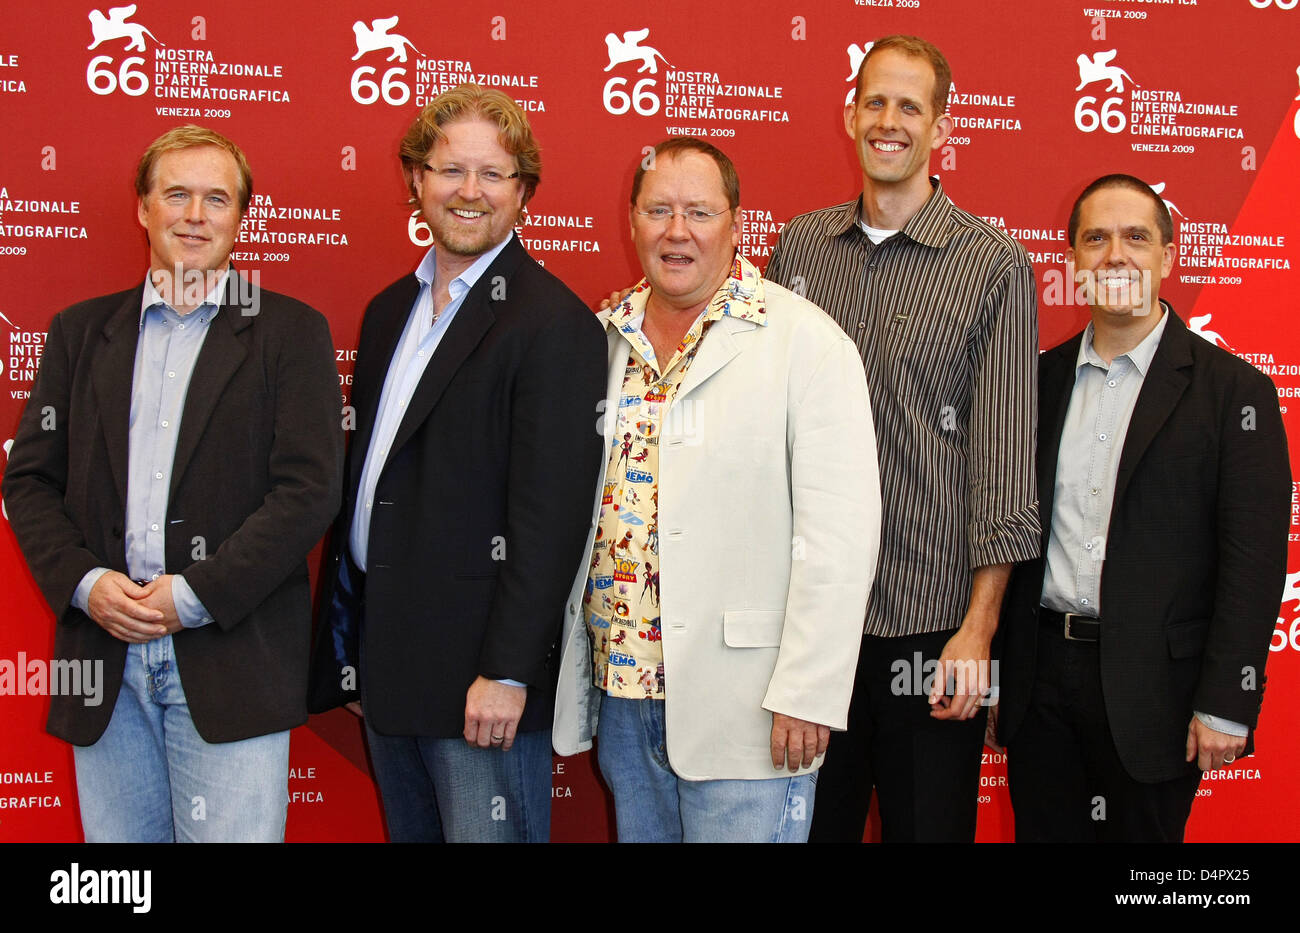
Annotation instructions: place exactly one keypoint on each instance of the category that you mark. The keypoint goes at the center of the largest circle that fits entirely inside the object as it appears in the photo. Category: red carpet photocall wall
(1198, 98)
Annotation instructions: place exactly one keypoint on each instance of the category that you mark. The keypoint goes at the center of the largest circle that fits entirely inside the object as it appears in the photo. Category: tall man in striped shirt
(942, 308)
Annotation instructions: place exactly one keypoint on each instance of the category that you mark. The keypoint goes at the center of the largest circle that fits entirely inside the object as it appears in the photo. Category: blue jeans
(446, 790)
(152, 778)
(652, 804)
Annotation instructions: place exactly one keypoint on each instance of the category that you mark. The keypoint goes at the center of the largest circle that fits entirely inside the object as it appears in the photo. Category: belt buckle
(1069, 616)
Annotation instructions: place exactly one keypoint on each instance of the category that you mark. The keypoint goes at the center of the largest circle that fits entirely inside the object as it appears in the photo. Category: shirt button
(164, 424)
(862, 325)
(153, 527)
(171, 375)
(1095, 490)
(369, 504)
(181, 326)
(1111, 383)
(157, 475)
(1084, 601)
(1088, 546)
(1101, 436)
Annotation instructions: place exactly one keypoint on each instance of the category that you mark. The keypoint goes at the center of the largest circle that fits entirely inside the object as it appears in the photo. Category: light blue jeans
(446, 790)
(152, 778)
(652, 804)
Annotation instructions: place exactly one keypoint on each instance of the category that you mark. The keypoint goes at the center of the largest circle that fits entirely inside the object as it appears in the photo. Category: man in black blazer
(179, 456)
(468, 492)
(1134, 650)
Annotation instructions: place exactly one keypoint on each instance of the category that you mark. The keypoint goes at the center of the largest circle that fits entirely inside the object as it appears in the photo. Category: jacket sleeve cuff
(81, 597)
(189, 608)
(1219, 724)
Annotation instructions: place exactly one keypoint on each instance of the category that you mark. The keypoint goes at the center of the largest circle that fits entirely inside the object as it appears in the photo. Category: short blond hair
(465, 102)
(188, 137)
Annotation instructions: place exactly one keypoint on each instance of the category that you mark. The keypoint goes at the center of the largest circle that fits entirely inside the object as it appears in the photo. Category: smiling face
(685, 261)
(893, 122)
(467, 218)
(191, 211)
(1118, 254)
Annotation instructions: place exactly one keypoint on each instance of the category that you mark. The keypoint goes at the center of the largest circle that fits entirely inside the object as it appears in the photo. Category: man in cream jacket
(712, 632)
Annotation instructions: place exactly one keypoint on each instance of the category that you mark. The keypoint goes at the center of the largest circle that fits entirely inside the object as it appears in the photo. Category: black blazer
(482, 509)
(256, 475)
(1195, 552)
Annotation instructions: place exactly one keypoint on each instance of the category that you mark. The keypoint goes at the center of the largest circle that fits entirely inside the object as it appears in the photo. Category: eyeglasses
(455, 175)
(662, 215)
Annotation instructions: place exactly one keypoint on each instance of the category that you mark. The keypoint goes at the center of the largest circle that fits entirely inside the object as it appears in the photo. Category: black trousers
(925, 771)
(1067, 781)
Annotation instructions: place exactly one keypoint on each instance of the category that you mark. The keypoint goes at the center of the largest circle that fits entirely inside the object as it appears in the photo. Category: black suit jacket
(1195, 553)
(481, 511)
(256, 476)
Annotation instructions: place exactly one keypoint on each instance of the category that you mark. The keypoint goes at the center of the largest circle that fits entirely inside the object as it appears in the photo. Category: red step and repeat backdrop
(1198, 98)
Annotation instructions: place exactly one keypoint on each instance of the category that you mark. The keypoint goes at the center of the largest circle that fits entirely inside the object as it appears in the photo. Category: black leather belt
(1074, 626)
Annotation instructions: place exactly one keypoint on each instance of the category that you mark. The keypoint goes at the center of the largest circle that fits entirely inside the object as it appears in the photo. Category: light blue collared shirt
(415, 349)
(167, 349)
(1092, 439)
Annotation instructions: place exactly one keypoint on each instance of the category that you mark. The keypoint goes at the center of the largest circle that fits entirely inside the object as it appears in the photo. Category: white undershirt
(875, 234)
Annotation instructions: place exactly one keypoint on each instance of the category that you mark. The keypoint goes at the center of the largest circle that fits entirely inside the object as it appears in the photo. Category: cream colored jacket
(769, 518)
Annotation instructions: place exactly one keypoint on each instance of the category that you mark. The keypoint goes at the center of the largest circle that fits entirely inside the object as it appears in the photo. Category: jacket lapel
(221, 355)
(474, 319)
(113, 376)
(1162, 387)
(1056, 375)
(369, 385)
(617, 356)
(719, 347)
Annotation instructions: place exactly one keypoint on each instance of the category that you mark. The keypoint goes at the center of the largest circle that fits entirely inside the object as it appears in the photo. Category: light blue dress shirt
(1092, 439)
(166, 351)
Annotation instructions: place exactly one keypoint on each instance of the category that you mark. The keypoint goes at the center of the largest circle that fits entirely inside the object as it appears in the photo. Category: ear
(141, 214)
(1167, 260)
(850, 109)
(414, 178)
(942, 130)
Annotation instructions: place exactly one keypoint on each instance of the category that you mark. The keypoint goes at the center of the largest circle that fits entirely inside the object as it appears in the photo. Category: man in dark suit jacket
(1134, 650)
(180, 455)
(468, 491)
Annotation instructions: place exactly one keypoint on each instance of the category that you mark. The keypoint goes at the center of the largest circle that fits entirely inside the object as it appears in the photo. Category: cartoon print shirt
(621, 602)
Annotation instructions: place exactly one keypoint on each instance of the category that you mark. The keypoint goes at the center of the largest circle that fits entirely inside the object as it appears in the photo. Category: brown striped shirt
(944, 315)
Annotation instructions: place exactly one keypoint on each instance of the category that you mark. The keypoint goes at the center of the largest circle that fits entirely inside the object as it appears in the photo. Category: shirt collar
(740, 297)
(151, 298)
(930, 226)
(466, 280)
(1140, 356)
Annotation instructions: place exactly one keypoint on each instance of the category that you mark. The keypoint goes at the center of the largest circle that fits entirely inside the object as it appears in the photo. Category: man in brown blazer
(180, 455)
